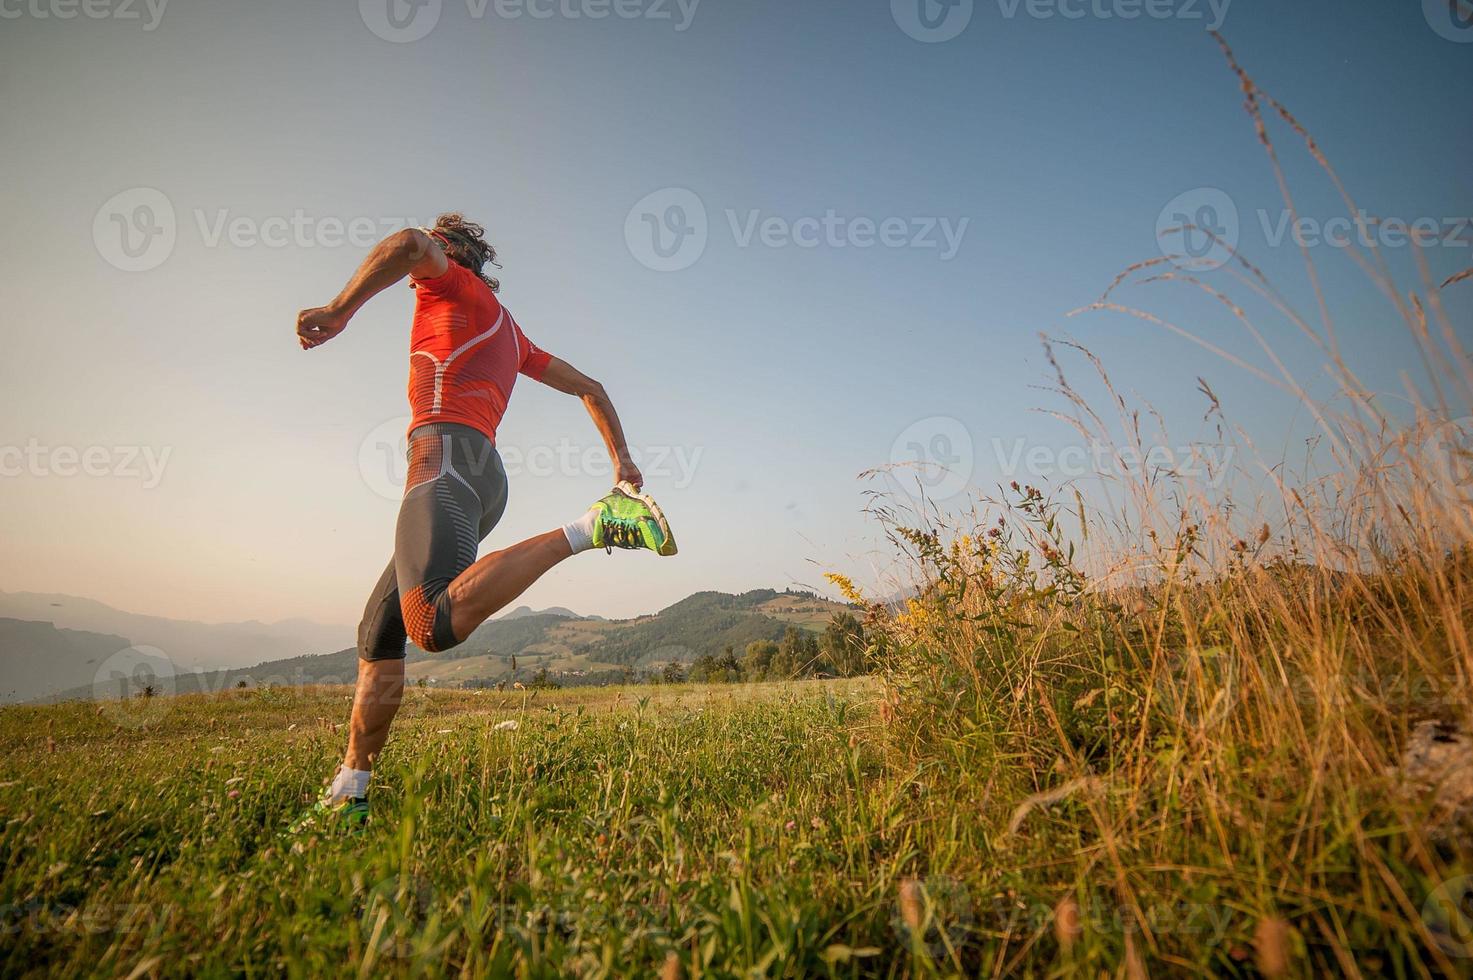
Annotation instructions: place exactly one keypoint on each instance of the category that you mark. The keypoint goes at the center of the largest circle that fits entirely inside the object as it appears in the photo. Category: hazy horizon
(795, 242)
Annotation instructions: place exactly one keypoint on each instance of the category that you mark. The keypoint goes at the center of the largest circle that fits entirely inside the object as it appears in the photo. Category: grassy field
(1212, 725)
(739, 829)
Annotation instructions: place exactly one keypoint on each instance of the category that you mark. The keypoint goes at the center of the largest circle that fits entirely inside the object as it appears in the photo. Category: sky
(795, 241)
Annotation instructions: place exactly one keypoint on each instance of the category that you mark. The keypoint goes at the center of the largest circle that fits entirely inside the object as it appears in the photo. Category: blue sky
(766, 375)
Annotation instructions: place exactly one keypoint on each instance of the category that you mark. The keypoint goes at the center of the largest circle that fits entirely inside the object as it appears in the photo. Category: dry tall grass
(1240, 743)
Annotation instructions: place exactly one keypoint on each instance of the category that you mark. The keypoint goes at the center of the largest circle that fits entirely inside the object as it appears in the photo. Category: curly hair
(465, 244)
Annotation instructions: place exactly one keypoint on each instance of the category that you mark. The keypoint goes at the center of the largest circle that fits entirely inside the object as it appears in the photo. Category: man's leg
(380, 687)
(498, 578)
(495, 580)
(375, 702)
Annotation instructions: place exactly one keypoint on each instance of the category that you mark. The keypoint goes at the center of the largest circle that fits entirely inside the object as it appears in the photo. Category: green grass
(736, 827)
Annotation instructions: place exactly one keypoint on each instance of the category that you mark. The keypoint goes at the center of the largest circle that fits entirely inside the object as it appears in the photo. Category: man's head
(465, 244)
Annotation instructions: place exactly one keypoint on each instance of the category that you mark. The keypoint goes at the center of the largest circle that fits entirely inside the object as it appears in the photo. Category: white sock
(350, 784)
(580, 532)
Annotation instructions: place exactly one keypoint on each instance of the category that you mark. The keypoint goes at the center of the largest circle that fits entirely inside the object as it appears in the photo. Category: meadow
(1196, 727)
(734, 828)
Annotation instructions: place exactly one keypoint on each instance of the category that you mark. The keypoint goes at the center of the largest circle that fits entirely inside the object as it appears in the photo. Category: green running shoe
(627, 518)
(328, 816)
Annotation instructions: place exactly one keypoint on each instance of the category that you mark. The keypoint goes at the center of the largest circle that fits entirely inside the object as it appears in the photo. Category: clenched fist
(318, 326)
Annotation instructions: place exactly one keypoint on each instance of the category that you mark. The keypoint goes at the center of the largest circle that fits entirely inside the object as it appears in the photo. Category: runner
(466, 351)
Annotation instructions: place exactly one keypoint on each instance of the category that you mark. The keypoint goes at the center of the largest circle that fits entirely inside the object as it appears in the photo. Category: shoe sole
(629, 489)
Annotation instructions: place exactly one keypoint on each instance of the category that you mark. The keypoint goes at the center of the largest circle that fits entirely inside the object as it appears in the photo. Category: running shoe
(324, 816)
(627, 518)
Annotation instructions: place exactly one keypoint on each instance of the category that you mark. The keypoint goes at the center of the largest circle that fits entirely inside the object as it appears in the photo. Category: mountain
(520, 612)
(573, 648)
(38, 658)
(191, 646)
(706, 622)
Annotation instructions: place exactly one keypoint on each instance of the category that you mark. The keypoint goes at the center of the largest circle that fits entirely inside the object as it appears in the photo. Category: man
(466, 351)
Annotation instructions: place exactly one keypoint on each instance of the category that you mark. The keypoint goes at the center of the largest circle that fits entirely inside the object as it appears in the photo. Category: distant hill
(573, 648)
(521, 612)
(190, 645)
(706, 622)
(37, 658)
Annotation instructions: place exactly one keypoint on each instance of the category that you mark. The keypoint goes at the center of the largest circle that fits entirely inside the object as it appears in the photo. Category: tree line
(841, 650)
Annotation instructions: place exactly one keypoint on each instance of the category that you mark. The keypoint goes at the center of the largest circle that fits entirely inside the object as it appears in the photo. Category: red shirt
(465, 352)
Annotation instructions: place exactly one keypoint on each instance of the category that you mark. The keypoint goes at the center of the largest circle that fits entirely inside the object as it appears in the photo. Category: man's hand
(318, 326)
(626, 472)
(404, 253)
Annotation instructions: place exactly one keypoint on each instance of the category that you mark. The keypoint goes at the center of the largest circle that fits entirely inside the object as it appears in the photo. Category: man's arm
(569, 380)
(405, 253)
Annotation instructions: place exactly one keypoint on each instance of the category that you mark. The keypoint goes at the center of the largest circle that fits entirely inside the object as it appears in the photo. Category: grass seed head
(1271, 947)
(912, 910)
(1067, 927)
